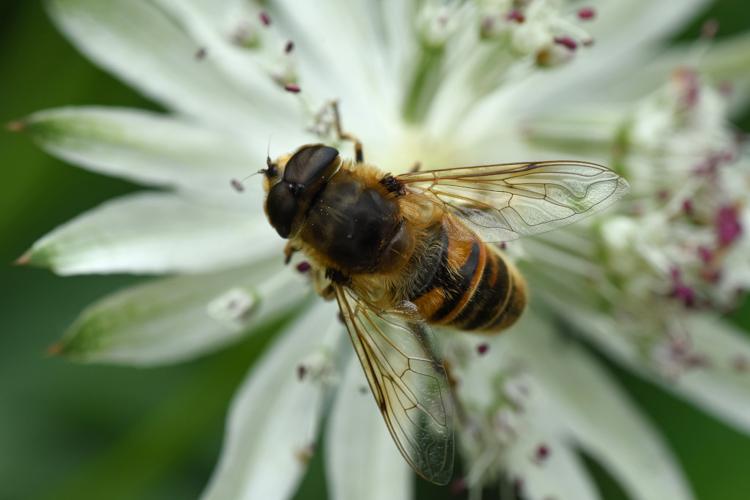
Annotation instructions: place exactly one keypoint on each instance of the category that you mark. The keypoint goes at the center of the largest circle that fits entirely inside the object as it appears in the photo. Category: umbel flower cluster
(442, 83)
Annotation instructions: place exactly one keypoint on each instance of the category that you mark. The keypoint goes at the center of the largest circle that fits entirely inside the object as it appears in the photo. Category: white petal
(726, 60)
(600, 417)
(174, 319)
(274, 106)
(625, 25)
(156, 233)
(362, 461)
(561, 475)
(148, 148)
(346, 63)
(274, 418)
(139, 43)
(626, 33)
(722, 388)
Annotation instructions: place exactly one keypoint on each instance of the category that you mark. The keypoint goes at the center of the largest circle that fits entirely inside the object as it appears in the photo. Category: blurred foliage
(91, 432)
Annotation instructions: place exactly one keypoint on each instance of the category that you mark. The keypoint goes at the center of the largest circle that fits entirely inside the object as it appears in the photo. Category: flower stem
(424, 84)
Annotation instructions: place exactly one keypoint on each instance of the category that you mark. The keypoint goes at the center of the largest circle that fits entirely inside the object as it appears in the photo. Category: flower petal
(147, 147)
(155, 233)
(725, 61)
(600, 417)
(722, 387)
(362, 461)
(274, 106)
(139, 43)
(561, 475)
(274, 417)
(332, 63)
(174, 319)
(625, 34)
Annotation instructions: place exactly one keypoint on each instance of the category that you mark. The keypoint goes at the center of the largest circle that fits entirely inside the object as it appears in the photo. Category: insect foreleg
(359, 154)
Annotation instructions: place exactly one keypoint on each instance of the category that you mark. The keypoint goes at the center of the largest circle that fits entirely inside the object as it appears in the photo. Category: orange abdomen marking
(472, 287)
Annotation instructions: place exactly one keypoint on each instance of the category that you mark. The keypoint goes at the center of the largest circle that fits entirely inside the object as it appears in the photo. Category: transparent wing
(505, 201)
(409, 384)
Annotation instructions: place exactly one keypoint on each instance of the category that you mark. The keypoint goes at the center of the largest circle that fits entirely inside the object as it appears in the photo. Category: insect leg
(289, 251)
(359, 154)
(322, 285)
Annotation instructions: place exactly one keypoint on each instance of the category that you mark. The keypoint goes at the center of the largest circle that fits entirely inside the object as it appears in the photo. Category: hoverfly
(401, 252)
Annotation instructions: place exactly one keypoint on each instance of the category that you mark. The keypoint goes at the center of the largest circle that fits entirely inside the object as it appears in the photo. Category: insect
(401, 252)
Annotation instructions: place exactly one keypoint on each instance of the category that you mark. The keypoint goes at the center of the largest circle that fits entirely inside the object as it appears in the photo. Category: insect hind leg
(359, 155)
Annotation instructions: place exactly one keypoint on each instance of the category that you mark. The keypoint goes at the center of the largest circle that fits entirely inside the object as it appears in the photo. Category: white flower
(442, 83)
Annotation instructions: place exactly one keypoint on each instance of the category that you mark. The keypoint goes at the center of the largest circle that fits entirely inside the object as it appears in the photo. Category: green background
(93, 432)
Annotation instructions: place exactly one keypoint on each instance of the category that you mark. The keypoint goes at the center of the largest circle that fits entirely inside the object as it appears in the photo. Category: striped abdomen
(466, 283)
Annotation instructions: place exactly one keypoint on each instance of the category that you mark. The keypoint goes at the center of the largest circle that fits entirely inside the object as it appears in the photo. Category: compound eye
(281, 207)
(310, 164)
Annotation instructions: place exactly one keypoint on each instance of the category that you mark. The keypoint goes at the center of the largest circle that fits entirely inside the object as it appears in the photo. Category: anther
(566, 42)
(303, 267)
(200, 54)
(265, 19)
(586, 13)
(705, 254)
(728, 226)
(687, 207)
(516, 15)
(289, 47)
(483, 348)
(292, 87)
(237, 185)
(541, 454)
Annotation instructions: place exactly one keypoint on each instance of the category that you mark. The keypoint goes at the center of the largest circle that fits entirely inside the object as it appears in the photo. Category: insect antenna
(238, 185)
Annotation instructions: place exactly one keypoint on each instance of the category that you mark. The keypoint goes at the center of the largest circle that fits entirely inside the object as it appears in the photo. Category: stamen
(289, 47)
(687, 207)
(706, 254)
(237, 185)
(689, 87)
(292, 87)
(586, 13)
(541, 454)
(246, 37)
(265, 19)
(233, 308)
(483, 348)
(728, 226)
(566, 42)
(303, 267)
(516, 15)
(681, 291)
